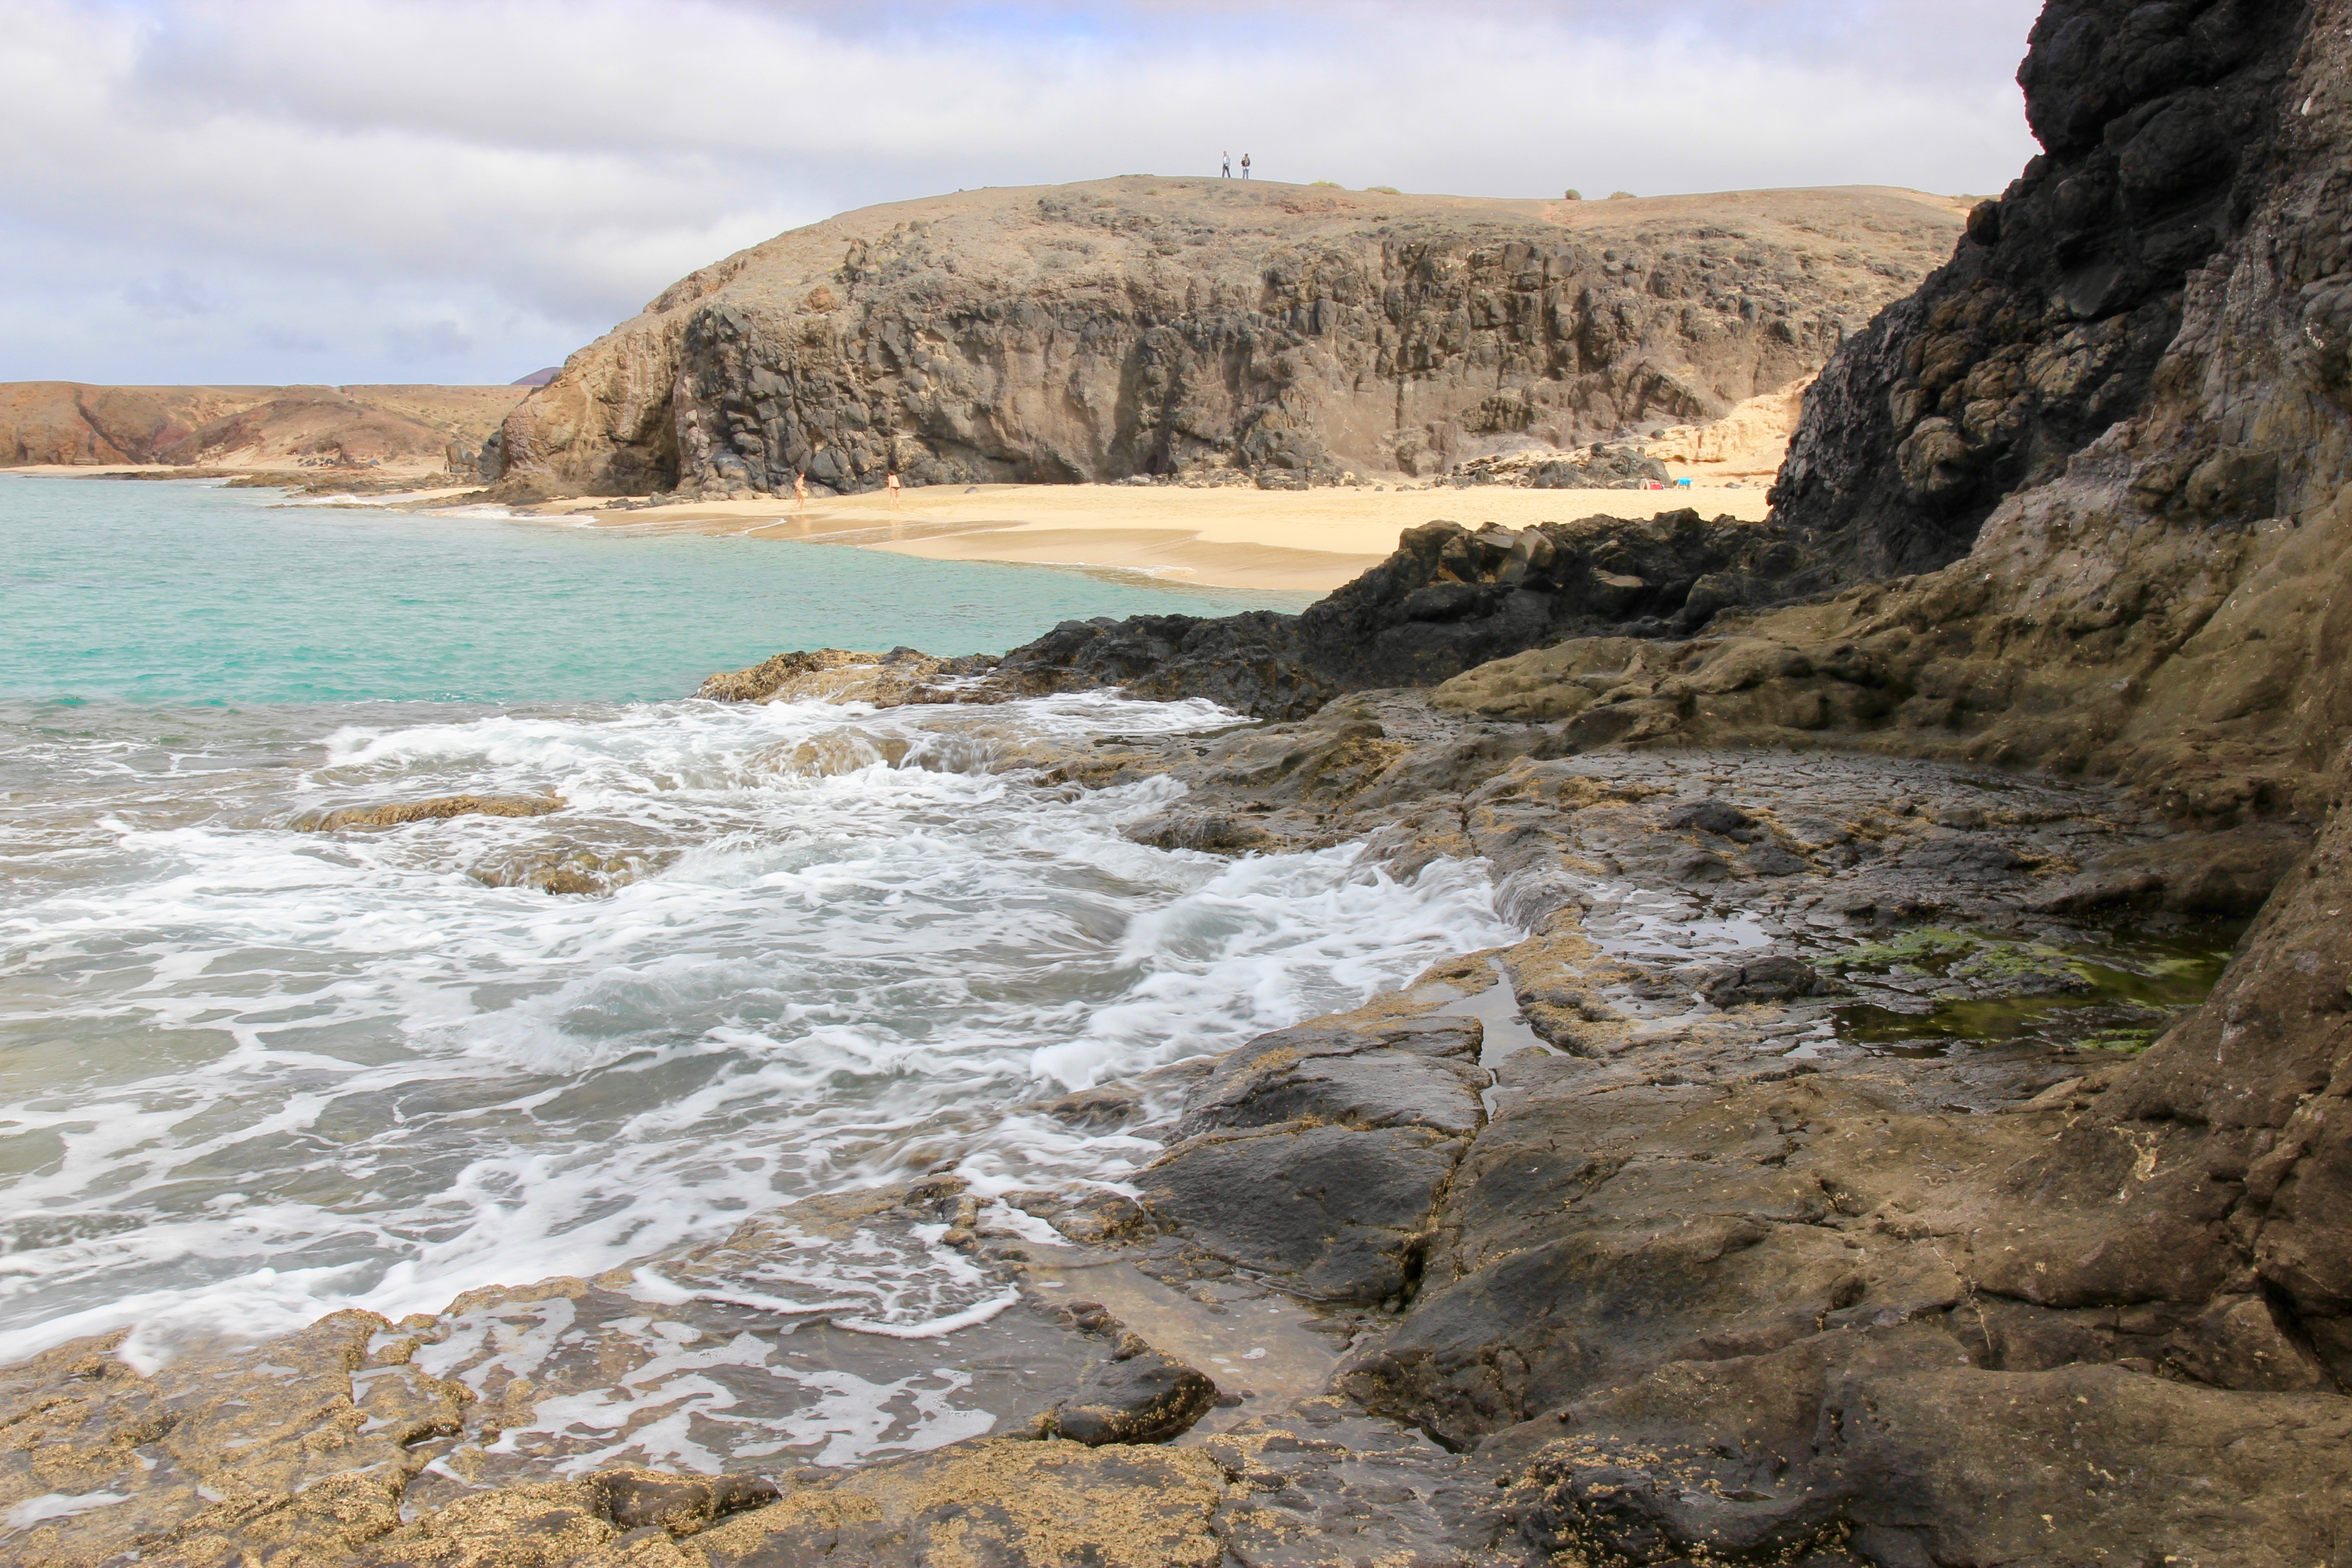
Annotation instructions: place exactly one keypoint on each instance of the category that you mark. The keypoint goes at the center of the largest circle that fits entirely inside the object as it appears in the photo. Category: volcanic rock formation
(2160, 125)
(1447, 601)
(1153, 326)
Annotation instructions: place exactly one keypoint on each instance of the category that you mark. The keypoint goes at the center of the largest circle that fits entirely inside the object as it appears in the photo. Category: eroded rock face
(2163, 136)
(1171, 327)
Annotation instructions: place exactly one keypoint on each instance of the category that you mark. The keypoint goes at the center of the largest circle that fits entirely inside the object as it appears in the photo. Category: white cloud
(435, 190)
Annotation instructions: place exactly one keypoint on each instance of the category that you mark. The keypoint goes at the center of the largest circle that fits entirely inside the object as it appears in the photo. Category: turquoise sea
(251, 1074)
(160, 592)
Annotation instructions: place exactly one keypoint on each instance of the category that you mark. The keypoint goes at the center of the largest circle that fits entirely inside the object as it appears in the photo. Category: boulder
(1138, 1396)
(1777, 978)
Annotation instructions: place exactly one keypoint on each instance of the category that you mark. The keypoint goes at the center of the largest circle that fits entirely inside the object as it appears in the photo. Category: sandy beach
(1227, 538)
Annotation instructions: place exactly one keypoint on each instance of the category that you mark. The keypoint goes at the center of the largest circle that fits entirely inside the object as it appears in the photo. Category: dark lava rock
(2045, 327)
(1420, 1076)
(1140, 1397)
(2225, 875)
(1601, 469)
(1709, 816)
(1772, 861)
(1250, 662)
(1774, 979)
(1332, 1214)
(1447, 600)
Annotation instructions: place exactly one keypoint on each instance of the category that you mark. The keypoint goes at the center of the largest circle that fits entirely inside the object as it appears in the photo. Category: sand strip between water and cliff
(1224, 538)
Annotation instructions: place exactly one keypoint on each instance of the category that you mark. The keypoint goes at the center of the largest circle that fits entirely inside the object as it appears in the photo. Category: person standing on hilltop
(1228, 170)
(891, 484)
(1245, 167)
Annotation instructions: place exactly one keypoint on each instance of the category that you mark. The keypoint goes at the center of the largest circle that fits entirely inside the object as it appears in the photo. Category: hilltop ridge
(406, 429)
(1211, 329)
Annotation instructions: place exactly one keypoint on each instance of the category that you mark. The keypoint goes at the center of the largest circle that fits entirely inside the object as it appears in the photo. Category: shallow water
(2119, 995)
(249, 1074)
(178, 591)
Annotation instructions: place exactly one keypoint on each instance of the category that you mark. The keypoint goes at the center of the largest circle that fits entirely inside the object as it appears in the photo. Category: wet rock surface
(593, 1415)
(1336, 1214)
(1138, 1396)
(437, 809)
(1663, 1253)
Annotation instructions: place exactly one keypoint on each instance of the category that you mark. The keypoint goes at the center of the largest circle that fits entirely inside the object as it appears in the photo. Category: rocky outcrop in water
(438, 808)
(1449, 600)
(1173, 327)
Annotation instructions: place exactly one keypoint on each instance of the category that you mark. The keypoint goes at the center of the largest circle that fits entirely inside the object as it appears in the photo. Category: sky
(359, 191)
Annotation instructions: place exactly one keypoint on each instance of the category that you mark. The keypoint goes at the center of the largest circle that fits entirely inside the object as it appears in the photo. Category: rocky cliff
(1282, 333)
(2160, 131)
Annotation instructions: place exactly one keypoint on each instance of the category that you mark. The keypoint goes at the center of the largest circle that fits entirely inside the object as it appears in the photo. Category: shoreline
(1283, 541)
(1225, 537)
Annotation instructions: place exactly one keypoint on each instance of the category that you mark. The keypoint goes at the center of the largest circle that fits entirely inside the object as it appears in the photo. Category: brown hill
(408, 429)
(1214, 328)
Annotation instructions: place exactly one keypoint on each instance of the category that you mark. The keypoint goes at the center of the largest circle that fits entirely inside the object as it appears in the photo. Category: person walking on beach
(1245, 165)
(800, 492)
(891, 484)
(1228, 157)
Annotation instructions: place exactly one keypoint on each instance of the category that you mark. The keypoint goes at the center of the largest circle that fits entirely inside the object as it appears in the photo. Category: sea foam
(265, 1074)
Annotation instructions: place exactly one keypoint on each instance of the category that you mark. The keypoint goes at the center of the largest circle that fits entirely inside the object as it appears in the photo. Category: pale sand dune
(1229, 538)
